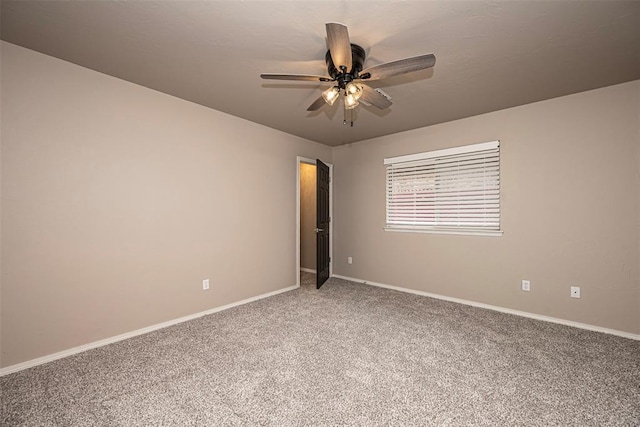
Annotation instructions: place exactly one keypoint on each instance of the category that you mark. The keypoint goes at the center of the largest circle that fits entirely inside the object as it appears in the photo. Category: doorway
(306, 217)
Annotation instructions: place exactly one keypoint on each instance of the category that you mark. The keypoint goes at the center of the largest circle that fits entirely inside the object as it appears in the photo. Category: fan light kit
(345, 62)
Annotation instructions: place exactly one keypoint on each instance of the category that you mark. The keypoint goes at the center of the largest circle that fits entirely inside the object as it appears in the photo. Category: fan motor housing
(357, 61)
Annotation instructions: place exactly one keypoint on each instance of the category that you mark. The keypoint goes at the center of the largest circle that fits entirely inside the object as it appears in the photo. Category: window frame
(430, 159)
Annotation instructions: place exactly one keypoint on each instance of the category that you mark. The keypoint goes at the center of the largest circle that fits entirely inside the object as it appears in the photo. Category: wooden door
(322, 223)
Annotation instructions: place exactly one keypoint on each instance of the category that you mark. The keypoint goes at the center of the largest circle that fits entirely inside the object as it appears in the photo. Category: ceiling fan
(345, 62)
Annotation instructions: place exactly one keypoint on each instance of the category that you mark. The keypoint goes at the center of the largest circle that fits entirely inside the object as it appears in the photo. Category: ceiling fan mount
(345, 66)
(343, 76)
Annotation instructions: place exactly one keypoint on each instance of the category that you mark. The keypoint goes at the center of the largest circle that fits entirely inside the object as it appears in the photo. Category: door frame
(307, 160)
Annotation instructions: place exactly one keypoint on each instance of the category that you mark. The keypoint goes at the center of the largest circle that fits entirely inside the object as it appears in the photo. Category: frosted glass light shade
(330, 95)
(354, 90)
(350, 102)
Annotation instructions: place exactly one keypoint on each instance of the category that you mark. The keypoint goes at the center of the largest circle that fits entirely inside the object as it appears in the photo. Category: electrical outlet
(575, 292)
(526, 285)
(205, 284)
(349, 260)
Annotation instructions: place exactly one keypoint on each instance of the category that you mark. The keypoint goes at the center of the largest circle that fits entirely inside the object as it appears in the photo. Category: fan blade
(375, 98)
(395, 68)
(302, 77)
(317, 104)
(339, 45)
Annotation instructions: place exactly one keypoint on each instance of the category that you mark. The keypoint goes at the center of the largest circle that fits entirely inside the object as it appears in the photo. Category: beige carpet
(347, 354)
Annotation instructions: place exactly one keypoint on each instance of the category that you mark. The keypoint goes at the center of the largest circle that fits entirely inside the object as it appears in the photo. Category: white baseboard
(308, 270)
(497, 308)
(55, 356)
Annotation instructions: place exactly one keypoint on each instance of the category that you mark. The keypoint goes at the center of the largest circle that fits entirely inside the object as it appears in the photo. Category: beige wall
(117, 201)
(570, 211)
(307, 216)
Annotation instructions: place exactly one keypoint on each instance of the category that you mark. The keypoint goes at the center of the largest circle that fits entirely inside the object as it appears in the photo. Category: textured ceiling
(490, 54)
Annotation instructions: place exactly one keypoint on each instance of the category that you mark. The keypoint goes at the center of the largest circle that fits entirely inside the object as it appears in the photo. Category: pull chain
(344, 109)
(344, 120)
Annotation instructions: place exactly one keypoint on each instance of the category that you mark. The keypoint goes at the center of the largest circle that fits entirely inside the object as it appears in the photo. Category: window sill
(491, 233)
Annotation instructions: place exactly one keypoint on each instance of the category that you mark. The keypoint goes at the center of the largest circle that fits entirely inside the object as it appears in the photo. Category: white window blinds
(451, 190)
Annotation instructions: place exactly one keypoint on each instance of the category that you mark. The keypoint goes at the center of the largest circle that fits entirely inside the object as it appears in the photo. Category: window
(456, 190)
